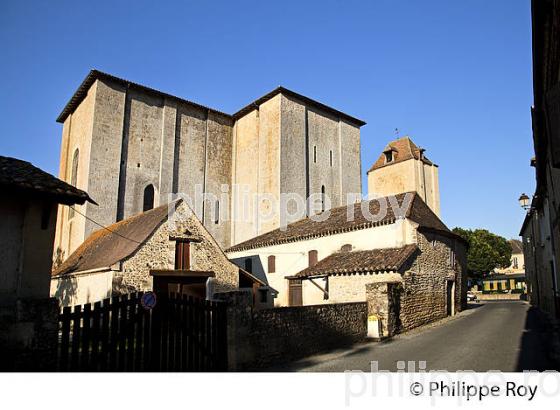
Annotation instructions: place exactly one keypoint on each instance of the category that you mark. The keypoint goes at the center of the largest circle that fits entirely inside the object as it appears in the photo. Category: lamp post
(524, 201)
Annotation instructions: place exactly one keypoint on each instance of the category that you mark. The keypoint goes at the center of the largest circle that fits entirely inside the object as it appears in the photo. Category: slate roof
(376, 260)
(93, 75)
(105, 247)
(516, 246)
(403, 149)
(23, 178)
(416, 210)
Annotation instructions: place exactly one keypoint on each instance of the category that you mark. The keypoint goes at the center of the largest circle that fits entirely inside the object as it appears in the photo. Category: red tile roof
(107, 246)
(416, 210)
(370, 261)
(403, 149)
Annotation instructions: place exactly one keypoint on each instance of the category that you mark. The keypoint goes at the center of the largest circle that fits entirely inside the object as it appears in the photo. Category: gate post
(239, 316)
(383, 300)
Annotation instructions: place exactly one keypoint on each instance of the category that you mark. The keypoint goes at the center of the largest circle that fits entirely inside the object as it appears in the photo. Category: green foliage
(487, 251)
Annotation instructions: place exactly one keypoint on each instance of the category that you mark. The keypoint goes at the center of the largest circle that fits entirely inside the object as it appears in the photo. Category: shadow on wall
(66, 291)
(538, 345)
(253, 265)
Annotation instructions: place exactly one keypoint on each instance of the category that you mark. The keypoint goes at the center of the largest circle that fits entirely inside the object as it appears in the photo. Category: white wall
(292, 258)
(82, 288)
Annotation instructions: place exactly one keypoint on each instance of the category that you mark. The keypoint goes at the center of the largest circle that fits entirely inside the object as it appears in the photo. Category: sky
(453, 75)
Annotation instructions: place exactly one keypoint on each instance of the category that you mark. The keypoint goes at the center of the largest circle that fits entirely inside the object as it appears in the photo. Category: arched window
(148, 198)
(74, 176)
(322, 198)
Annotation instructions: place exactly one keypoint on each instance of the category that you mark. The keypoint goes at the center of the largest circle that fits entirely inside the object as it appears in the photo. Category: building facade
(132, 146)
(403, 167)
(540, 229)
(332, 261)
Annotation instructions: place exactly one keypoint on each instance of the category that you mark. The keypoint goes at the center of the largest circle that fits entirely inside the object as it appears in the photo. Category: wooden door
(295, 295)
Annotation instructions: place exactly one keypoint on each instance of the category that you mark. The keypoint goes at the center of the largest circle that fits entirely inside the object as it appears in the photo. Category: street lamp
(524, 201)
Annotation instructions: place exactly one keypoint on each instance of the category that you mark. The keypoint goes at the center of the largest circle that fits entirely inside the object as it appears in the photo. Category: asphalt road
(505, 336)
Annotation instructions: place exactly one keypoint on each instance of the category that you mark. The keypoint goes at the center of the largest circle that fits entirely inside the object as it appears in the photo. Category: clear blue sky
(454, 75)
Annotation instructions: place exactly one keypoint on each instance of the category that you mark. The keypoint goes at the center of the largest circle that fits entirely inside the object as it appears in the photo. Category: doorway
(450, 296)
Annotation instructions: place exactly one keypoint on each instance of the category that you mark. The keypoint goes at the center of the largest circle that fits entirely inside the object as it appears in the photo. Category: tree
(487, 251)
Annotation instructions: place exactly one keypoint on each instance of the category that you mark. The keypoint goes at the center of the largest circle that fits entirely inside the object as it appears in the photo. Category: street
(505, 336)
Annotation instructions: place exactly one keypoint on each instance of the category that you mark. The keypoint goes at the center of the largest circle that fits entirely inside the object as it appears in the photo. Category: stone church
(130, 146)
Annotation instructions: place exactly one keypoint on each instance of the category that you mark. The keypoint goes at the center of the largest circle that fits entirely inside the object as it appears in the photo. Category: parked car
(471, 297)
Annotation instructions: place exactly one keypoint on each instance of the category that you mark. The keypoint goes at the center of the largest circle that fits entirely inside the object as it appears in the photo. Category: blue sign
(148, 300)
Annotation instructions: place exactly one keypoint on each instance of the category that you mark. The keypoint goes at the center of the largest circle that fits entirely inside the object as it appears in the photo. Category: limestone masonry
(130, 146)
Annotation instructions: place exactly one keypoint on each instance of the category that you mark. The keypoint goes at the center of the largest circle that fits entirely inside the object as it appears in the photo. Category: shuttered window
(312, 258)
(271, 264)
(182, 255)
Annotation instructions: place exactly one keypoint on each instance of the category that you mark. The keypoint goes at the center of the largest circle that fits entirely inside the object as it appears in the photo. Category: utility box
(374, 327)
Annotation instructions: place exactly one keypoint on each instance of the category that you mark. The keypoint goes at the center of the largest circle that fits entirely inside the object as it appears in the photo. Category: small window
(148, 198)
(249, 265)
(182, 255)
(271, 264)
(313, 258)
(388, 156)
(323, 198)
(330, 157)
(314, 153)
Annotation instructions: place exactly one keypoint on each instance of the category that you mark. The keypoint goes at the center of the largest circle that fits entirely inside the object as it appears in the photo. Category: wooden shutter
(553, 124)
(271, 264)
(295, 293)
(182, 255)
(312, 258)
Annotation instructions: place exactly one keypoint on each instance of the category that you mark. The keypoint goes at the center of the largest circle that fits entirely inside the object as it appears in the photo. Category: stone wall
(424, 297)
(383, 301)
(159, 253)
(260, 338)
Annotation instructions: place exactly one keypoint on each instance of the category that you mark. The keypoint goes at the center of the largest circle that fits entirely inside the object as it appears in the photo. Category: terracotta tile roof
(105, 247)
(93, 75)
(516, 246)
(338, 222)
(403, 149)
(375, 260)
(24, 178)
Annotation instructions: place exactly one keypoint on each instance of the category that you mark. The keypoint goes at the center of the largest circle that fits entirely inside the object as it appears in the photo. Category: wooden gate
(180, 334)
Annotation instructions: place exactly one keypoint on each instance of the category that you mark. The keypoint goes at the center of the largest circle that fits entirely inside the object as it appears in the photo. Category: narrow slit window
(217, 213)
(314, 154)
(330, 157)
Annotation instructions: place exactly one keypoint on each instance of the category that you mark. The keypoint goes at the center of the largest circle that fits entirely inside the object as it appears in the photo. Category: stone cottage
(331, 261)
(166, 247)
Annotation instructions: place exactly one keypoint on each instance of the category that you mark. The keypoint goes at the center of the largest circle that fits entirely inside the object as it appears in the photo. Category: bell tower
(403, 167)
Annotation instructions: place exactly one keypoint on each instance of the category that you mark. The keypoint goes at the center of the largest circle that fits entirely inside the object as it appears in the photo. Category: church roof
(94, 75)
(308, 101)
(403, 149)
(369, 261)
(415, 210)
(22, 177)
(107, 246)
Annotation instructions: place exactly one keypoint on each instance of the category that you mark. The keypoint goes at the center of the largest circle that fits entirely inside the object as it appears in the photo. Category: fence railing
(179, 334)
